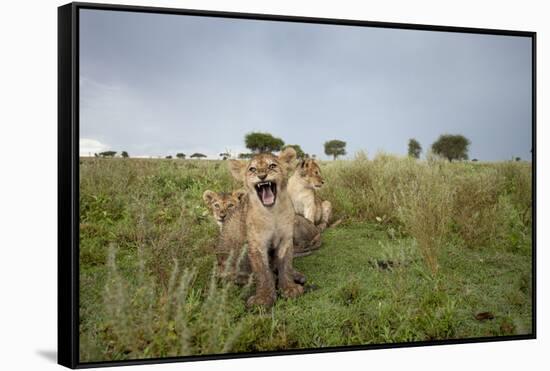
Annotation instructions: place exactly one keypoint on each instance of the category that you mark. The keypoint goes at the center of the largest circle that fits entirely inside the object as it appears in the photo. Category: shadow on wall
(50, 355)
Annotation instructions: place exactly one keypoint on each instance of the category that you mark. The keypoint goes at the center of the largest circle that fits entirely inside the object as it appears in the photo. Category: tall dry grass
(141, 318)
(436, 202)
(365, 189)
(149, 215)
(424, 207)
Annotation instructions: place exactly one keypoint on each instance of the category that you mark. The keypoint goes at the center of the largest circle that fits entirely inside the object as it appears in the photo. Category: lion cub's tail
(324, 226)
(334, 224)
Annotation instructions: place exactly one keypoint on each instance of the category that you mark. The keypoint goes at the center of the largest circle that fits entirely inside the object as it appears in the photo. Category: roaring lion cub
(301, 187)
(264, 220)
(307, 236)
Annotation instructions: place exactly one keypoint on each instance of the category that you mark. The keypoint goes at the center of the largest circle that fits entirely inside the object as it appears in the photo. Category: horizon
(348, 157)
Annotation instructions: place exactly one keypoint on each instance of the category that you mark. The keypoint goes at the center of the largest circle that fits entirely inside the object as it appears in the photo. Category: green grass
(147, 285)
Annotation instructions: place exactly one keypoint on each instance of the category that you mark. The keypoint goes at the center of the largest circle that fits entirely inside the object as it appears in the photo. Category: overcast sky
(156, 84)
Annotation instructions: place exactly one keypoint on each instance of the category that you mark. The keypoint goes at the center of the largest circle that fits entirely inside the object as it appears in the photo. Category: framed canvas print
(236, 185)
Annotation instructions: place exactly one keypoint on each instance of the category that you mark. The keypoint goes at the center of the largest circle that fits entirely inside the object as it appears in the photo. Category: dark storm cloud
(161, 84)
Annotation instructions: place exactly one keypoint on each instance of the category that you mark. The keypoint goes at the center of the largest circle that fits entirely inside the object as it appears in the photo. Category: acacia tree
(180, 155)
(225, 155)
(335, 148)
(299, 152)
(414, 148)
(452, 147)
(124, 154)
(263, 142)
(107, 154)
(198, 155)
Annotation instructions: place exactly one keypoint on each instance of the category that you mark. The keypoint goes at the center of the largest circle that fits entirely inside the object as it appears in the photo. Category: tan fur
(232, 244)
(302, 186)
(307, 236)
(222, 204)
(268, 230)
(236, 267)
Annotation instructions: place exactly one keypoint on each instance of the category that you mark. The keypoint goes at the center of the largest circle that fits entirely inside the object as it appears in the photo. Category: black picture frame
(68, 179)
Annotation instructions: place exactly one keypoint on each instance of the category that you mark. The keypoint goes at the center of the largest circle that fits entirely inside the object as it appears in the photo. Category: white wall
(28, 82)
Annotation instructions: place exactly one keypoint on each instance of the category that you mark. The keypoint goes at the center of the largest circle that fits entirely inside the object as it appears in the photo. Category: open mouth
(267, 192)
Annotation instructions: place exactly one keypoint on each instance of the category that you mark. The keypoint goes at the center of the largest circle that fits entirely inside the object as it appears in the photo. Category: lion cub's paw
(292, 290)
(260, 300)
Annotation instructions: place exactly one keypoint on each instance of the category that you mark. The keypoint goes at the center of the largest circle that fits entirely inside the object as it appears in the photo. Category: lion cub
(265, 221)
(222, 204)
(301, 187)
(307, 236)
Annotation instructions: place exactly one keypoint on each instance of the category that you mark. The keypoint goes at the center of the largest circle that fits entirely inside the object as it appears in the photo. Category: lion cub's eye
(230, 206)
(217, 206)
(252, 169)
(272, 166)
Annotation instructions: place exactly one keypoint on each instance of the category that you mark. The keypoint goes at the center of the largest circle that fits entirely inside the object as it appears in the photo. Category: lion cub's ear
(288, 155)
(208, 196)
(300, 167)
(237, 169)
(239, 194)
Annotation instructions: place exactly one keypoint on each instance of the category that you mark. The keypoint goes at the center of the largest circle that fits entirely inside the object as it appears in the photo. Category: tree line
(125, 154)
(449, 146)
(258, 142)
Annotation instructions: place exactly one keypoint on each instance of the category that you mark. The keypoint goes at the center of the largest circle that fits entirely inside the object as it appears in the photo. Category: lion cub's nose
(262, 176)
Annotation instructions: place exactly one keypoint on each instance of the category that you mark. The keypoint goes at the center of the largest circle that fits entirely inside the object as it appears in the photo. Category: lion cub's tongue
(267, 196)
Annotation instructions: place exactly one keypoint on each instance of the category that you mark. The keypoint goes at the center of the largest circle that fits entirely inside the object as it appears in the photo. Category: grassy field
(427, 250)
